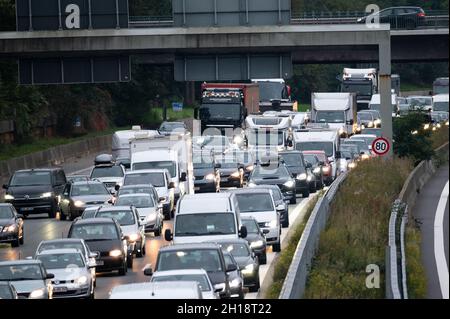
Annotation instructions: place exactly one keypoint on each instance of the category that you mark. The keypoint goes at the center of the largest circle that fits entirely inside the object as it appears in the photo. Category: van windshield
(155, 179)
(207, 259)
(327, 147)
(205, 224)
(169, 165)
(330, 117)
(31, 179)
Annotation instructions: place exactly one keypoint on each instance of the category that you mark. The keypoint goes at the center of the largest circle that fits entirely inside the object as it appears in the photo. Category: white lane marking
(439, 250)
(81, 171)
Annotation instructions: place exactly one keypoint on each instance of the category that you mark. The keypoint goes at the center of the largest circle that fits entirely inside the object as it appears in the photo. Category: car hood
(336, 126)
(217, 277)
(97, 199)
(203, 171)
(295, 170)
(69, 273)
(7, 222)
(129, 230)
(261, 217)
(243, 261)
(274, 181)
(32, 191)
(228, 171)
(104, 245)
(109, 179)
(27, 286)
(253, 237)
(144, 212)
(162, 191)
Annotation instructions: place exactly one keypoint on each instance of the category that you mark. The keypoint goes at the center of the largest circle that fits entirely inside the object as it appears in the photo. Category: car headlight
(219, 287)
(271, 224)
(309, 178)
(256, 244)
(316, 170)
(79, 203)
(377, 122)
(9, 197)
(248, 270)
(9, 229)
(235, 283)
(47, 195)
(82, 280)
(210, 177)
(133, 237)
(289, 184)
(438, 125)
(352, 165)
(302, 177)
(38, 293)
(359, 20)
(426, 126)
(326, 169)
(341, 131)
(365, 157)
(251, 184)
(238, 140)
(280, 148)
(250, 168)
(236, 174)
(363, 127)
(370, 124)
(115, 253)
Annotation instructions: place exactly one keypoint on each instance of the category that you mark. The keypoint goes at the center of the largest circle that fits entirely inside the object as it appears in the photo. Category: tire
(263, 259)
(293, 201)
(62, 216)
(53, 211)
(123, 270)
(139, 254)
(285, 224)
(15, 243)
(255, 288)
(305, 194)
(313, 189)
(21, 240)
(158, 232)
(92, 296)
(130, 262)
(276, 247)
(143, 250)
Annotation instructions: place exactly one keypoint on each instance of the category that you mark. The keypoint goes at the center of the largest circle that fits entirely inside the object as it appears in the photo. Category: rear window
(6, 212)
(155, 179)
(249, 203)
(108, 171)
(61, 245)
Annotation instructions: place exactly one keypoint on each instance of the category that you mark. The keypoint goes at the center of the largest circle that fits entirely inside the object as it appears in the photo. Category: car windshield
(365, 116)
(205, 224)
(227, 162)
(77, 178)
(31, 179)
(377, 107)
(169, 165)
(107, 171)
(360, 143)
(359, 89)
(251, 225)
(220, 112)
(134, 190)
(440, 106)
(61, 261)
(139, 201)
(327, 147)
(420, 101)
(89, 189)
(229, 259)
(270, 172)
(201, 279)
(244, 157)
(203, 160)
(6, 212)
(207, 259)
(237, 250)
(292, 159)
(21, 272)
(155, 179)
(276, 192)
(93, 232)
(348, 148)
(265, 138)
(330, 117)
(368, 139)
(169, 127)
(89, 213)
(123, 217)
(250, 203)
(310, 158)
(5, 292)
(61, 245)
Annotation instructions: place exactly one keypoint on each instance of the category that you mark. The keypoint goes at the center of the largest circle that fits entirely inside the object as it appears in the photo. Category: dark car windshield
(61, 261)
(107, 171)
(327, 147)
(360, 143)
(266, 137)
(272, 91)
(169, 165)
(207, 259)
(237, 250)
(205, 224)
(123, 217)
(277, 172)
(330, 117)
(20, 272)
(5, 292)
(365, 116)
(276, 192)
(220, 112)
(292, 159)
(61, 245)
(89, 189)
(138, 201)
(249, 203)
(6, 212)
(201, 279)
(312, 159)
(251, 225)
(92, 232)
(31, 179)
(155, 179)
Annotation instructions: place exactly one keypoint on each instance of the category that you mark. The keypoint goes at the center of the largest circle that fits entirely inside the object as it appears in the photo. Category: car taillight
(421, 15)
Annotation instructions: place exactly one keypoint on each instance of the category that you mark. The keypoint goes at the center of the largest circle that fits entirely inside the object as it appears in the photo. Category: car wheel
(143, 250)
(305, 194)
(92, 296)
(139, 254)
(123, 270)
(285, 223)
(62, 215)
(263, 259)
(53, 211)
(313, 188)
(158, 231)
(21, 239)
(276, 247)
(15, 243)
(255, 288)
(130, 261)
(293, 200)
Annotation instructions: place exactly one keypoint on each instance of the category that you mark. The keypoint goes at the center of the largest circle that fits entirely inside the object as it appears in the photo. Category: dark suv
(35, 191)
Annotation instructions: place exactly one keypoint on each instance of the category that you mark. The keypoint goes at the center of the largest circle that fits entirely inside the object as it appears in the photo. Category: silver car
(72, 274)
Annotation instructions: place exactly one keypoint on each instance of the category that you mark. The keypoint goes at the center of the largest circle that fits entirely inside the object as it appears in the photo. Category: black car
(279, 201)
(235, 278)
(305, 182)
(206, 172)
(11, 226)
(231, 171)
(7, 291)
(256, 238)
(316, 168)
(36, 191)
(103, 235)
(399, 17)
(195, 256)
(275, 174)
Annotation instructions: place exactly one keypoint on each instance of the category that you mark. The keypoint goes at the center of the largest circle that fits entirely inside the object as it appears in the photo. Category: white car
(107, 172)
(259, 204)
(368, 138)
(73, 277)
(158, 290)
(149, 213)
(199, 275)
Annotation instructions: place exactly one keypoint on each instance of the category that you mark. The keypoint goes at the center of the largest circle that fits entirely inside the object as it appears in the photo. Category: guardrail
(295, 282)
(396, 279)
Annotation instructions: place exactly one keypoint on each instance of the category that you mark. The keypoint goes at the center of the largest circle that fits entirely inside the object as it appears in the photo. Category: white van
(375, 103)
(121, 140)
(206, 217)
(158, 290)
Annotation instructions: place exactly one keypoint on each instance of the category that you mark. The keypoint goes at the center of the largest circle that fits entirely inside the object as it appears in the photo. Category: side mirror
(110, 201)
(20, 216)
(171, 185)
(183, 177)
(266, 231)
(168, 236)
(148, 271)
(362, 153)
(50, 276)
(5, 186)
(117, 187)
(350, 122)
(243, 232)
(231, 267)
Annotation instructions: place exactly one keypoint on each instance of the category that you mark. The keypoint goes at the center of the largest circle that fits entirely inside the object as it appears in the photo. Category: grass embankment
(284, 261)
(155, 115)
(41, 144)
(413, 87)
(356, 233)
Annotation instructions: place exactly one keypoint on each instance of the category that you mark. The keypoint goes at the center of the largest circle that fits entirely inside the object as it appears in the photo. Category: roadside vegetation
(283, 262)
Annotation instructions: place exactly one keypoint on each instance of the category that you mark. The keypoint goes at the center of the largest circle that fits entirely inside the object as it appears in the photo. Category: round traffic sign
(381, 146)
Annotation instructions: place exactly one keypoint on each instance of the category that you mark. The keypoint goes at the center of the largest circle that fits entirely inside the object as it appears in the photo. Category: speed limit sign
(381, 146)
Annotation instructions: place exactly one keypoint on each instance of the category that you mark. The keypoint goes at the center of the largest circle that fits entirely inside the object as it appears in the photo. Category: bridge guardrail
(295, 282)
(396, 278)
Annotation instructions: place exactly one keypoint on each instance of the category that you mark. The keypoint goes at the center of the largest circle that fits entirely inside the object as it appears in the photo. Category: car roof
(252, 190)
(137, 186)
(192, 246)
(62, 240)
(6, 205)
(313, 152)
(59, 251)
(180, 272)
(146, 171)
(102, 220)
(217, 202)
(362, 136)
(231, 241)
(51, 169)
(89, 182)
(135, 195)
(21, 262)
(115, 208)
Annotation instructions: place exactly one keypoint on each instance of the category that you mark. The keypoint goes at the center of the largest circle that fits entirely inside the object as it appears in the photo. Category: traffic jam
(218, 198)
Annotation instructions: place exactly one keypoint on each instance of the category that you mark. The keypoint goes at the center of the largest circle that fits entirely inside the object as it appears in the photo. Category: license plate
(26, 209)
(59, 289)
(99, 262)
